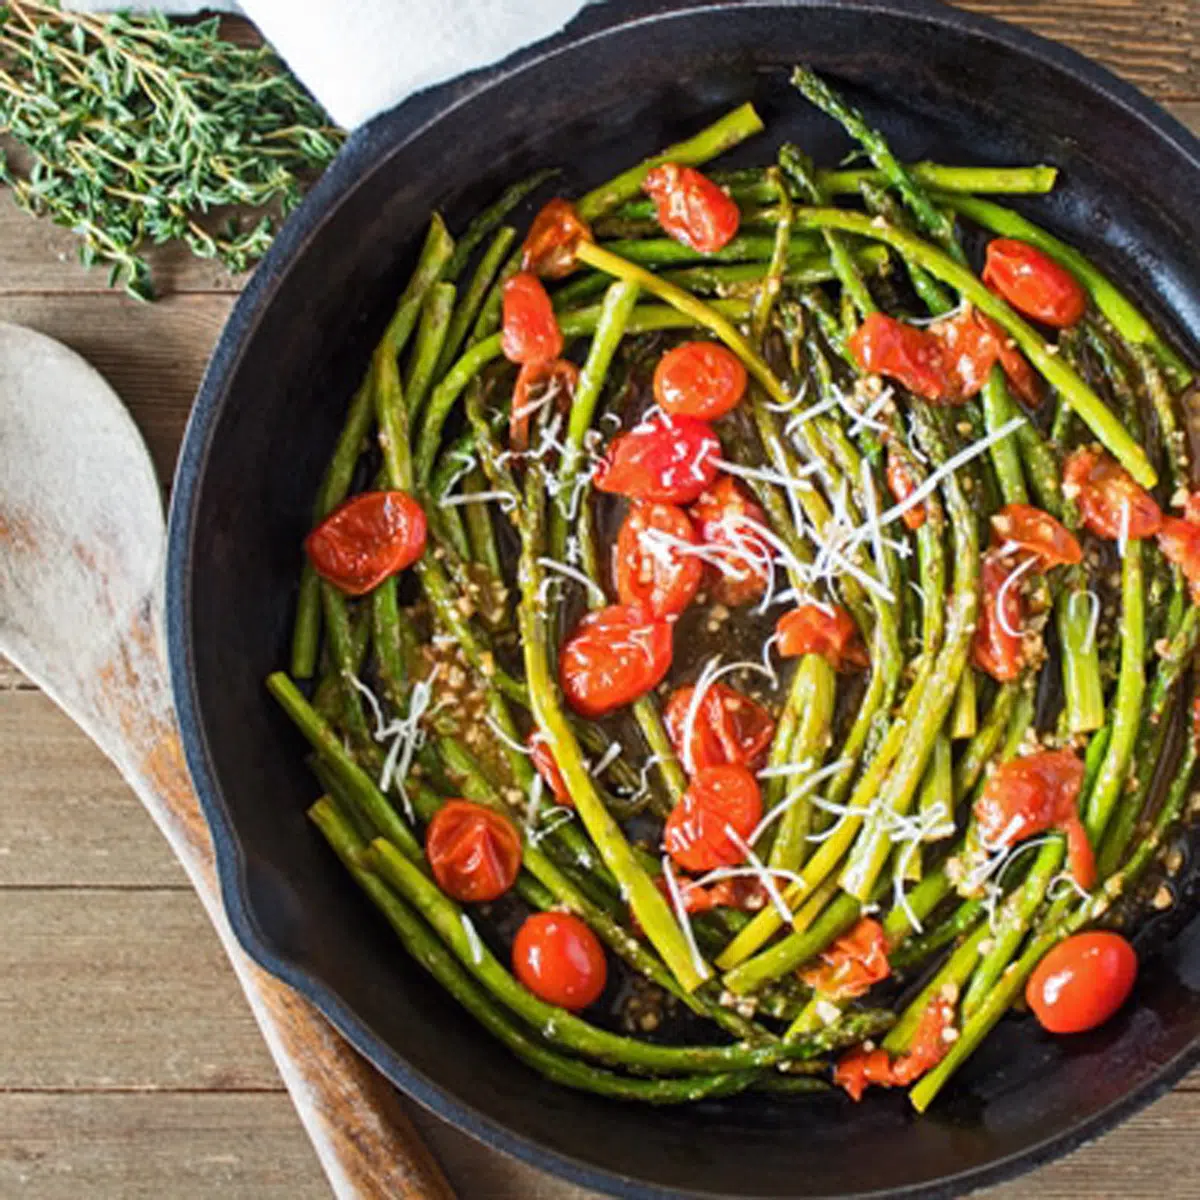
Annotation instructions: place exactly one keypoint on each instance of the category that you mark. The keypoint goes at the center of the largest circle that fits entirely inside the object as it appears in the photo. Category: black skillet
(623, 80)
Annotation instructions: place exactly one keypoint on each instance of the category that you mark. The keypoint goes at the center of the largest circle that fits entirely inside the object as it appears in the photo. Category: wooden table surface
(129, 1064)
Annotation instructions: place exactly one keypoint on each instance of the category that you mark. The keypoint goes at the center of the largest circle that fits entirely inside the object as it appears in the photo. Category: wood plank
(120, 989)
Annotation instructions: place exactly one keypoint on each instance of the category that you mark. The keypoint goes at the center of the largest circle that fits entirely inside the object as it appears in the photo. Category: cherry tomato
(667, 459)
(366, 539)
(542, 758)
(614, 656)
(884, 346)
(1022, 378)
(728, 522)
(902, 485)
(1191, 508)
(546, 381)
(853, 964)
(696, 835)
(969, 351)
(1110, 499)
(699, 379)
(728, 728)
(744, 893)
(1033, 283)
(825, 629)
(550, 245)
(1036, 531)
(1180, 544)
(691, 208)
(859, 1068)
(1082, 982)
(474, 852)
(650, 570)
(560, 960)
(530, 331)
(998, 647)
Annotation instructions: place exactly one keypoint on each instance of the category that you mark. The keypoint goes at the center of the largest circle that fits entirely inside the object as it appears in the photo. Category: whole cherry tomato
(696, 835)
(366, 539)
(825, 629)
(1082, 982)
(546, 381)
(560, 960)
(691, 208)
(728, 728)
(914, 357)
(902, 485)
(1110, 500)
(650, 570)
(853, 964)
(1180, 544)
(699, 379)
(614, 656)
(732, 526)
(474, 852)
(530, 330)
(1028, 795)
(542, 758)
(998, 647)
(1036, 531)
(1033, 283)
(667, 459)
(550, 245)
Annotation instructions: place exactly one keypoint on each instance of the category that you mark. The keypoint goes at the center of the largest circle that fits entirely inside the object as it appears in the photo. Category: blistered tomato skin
(691, 208)
(1033, 283)
(546, 381)
(720, 799)
(529, 331)
(652, 566)
(699, 379)
(549, 249)
(1082, 982)
(669, 460)
(1036, 531)
(1111, 502)
(474, 852)
(613, 656)
(911, 356)
(560, 960)
(824, 629)
(542, 758)
(727, 728)
(997, 647)
(366, 539)
(734, 527)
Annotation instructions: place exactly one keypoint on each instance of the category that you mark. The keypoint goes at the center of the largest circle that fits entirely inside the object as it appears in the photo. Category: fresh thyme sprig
(135, 131)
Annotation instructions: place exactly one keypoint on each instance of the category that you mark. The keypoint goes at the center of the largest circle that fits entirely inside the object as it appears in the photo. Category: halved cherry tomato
(853, 964)
(1180, 544)
(1110, 499)
(1037, 531)
(728, 728)
(547, 381)
(696, 835)
(859, 1068)
(667, 459)
(560, 960)
(474, 852)
(1082, 982)
(542, 758)
(366, 539)
(728, 522)
(971, 345)
(615, 655)
(650, 569)
(530, 330)
(1033, 283)
(902, 485)
(1027, 796)
(914, 357)
(550, 245)
(691, 208)
(825, 629)
(999, 644)
(699, 379)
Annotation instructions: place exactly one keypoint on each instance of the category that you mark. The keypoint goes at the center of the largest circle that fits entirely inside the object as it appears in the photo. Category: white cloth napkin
(361, 57)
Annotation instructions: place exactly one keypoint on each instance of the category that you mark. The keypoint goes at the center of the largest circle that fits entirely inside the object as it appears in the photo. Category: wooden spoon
(81, 549)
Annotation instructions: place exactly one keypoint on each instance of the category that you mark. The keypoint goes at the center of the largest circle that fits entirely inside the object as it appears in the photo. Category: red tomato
(667, 459)
(727, 519)
(650, 570)
(550, 245)
(719, 799)
(474, 852)
(542, 758)
(1038, 532)
(1022, 378)
(1082, 982)
(859, 1068)
(547, 381)
(699, 379)
(1180, 544)
(1109, 498)
(691, 208)
(362, 542)
(971, 345)
(1033, 283)
(853, 964)
(530, 331)
(614, 656)
(824, 629)
(996, 648)
(728, 729)
(746, 894)
(902, 485)
(1191, 508)
(560, 960)
(884, 346)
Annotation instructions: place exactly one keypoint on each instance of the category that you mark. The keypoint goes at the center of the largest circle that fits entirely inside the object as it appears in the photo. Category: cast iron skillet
(625, 79)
